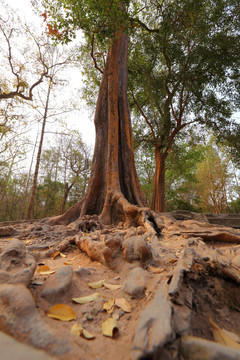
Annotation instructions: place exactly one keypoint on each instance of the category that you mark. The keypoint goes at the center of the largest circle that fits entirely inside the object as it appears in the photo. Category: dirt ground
(200, 274)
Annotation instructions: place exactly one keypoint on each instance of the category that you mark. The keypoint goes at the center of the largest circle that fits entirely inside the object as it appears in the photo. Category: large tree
(179, 38)
(186, 72)
(114, 187)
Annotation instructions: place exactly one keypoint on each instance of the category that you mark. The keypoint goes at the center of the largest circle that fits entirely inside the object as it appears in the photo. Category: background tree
(21, 71)
(113, 182)
(186, 72)
(54, 62)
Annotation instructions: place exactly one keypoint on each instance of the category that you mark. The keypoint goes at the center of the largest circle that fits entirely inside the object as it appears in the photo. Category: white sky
(81, 121)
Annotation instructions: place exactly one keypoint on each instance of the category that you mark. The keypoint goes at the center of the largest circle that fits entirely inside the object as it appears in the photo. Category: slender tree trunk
(67, 189)
(35, 176)
(113, 176)
(158, 196)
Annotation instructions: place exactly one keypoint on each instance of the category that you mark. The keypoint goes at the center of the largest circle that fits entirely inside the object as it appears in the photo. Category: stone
(113, 250)
(58, 284)
(184, 265)
(136, 248)
(17, 265)
(82, 272)
(136, 283)
(20, 319)
(193, 348)
(12, 349)
(181, 319)
(7, 231)
(154, 328)
(94, 249)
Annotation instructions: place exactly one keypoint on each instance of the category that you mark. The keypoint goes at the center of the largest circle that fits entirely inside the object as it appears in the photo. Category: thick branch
(144, 116)
(93, 57)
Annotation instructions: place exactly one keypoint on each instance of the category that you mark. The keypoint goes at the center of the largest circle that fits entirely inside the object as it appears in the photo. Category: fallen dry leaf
(86, 299)
(87, 334)
(123, 304)
(156, 270)
(222, 337)
(37, 282)
(109, 306)
(96, 284)
(111, 286)
(172, 261)
(43, 268)
(76, 330)
(109, 326)
(67, 263)
(63, 255)
(55, 255)
(62, 312)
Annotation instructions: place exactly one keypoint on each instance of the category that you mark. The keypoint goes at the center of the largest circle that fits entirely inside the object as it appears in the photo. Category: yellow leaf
(123, 304)
(76, 330)
(87, 334)
(109, 326)
(222, 337)
(96, 284)
(112, 286)
(86, 299)
(63, 255)
(156, 270)
(172, 260)
(109, 306)
(62, 312)
(55, 255)
(43, 269)
(67, 263)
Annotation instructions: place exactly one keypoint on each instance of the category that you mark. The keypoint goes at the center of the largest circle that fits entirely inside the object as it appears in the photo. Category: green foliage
(48, 198)
(213, 178)
(188, 70)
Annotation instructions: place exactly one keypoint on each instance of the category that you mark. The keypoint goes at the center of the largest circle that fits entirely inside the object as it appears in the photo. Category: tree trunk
(113, 182)
(158, 195)
(35, 176)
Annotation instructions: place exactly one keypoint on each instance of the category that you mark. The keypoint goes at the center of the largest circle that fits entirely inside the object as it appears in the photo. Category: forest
(183, 105)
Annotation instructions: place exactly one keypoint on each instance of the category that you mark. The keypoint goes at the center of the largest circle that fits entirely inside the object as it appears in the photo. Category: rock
(112, 250)
(154, 329)
(184, 265)
(181, 319)
(136, 248)
(7, 230)
(16, 264)
(58, 284)
(136, 283)
(12, 349)
(20, 319)
(94, 249)
(82, 272)
(86, 224)
(193, 348)
(188, 215)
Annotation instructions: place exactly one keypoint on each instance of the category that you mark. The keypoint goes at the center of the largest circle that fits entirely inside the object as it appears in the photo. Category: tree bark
(30, 212)
(158, 195)
(113, 182)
